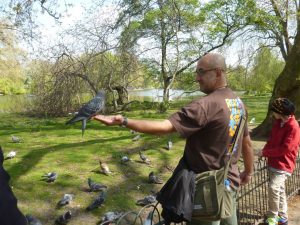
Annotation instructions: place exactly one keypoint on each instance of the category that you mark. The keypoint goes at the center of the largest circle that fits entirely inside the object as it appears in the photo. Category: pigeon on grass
(11, 155)
(87, 111)
(95, 186)
(32, 220)
(50, 177)
(144, 158)
(169, 144)
(110, 217)
(97, 202)
(64, 218)
(153, 179)
(16, 139)
(125, 159)
(66, 199)
(104, 168)
(150, 199)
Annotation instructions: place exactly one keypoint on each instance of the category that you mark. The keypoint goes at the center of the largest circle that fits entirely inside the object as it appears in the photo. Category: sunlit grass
(49, 145)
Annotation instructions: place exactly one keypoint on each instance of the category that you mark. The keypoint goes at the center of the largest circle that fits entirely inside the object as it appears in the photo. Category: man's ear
(219, 72)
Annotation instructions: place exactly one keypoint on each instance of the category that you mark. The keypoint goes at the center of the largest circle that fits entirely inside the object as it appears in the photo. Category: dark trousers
(9, 212)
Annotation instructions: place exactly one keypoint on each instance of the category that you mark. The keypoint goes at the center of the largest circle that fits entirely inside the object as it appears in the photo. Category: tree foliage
(11, 58)
(178, 33)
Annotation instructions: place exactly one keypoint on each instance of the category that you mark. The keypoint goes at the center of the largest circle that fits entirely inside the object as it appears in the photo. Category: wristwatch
(125, 122)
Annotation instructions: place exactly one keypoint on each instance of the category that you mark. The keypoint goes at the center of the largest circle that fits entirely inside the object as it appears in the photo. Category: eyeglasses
(201, 72)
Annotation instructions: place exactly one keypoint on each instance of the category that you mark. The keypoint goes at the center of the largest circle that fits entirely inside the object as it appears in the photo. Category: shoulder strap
(236, 137)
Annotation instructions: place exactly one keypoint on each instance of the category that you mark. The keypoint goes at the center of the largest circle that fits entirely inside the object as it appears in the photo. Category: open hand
(109, 120)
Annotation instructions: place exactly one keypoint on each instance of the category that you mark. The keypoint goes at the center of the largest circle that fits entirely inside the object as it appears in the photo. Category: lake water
(19, 103)
(156, 95)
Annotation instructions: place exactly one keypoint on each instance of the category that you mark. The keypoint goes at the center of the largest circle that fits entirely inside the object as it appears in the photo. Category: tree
(279, 23)
(178, 33)
(11, 58)
(265, 70)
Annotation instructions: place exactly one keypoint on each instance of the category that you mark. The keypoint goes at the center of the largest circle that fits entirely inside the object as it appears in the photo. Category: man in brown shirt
(208, 124)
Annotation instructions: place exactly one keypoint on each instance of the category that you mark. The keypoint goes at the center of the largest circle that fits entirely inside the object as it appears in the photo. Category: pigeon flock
(85, 113)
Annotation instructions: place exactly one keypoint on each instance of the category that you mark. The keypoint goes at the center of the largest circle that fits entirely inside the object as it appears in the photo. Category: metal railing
(251, 201)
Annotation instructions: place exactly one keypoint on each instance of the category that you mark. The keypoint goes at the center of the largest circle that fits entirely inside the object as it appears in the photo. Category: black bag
(213, 198)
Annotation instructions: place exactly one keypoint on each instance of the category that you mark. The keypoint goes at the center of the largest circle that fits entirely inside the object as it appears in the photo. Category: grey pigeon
(66, 199)
(136, 138)
(15, 139)
(125, 159)
(147, 200)
(50, 177)
(110, 217)
(64, 218)
(95, 187)
(144, 158)
(32, 220)
(153, 179)
(97, 202)
(88, 110)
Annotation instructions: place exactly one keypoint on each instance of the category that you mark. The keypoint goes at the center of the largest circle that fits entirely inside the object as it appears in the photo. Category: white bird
(252, 121)
(11, 155)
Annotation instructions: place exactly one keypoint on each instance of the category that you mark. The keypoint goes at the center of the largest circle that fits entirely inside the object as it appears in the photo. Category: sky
(49, 29)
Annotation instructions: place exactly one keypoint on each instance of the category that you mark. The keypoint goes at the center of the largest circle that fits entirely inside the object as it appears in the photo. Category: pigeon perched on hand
(97, 202)
(64, 218)
(153, 179)
(11, 155)
(110, 217)
(66, 199)
(90, 109)
(104, 168)
(144, 158)
(32, 220)
(146, 201)
(50, 177)
(15, 139)
(95, 187)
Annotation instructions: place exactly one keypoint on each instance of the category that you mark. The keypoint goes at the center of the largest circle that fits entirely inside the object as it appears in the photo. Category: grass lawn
(49, 145)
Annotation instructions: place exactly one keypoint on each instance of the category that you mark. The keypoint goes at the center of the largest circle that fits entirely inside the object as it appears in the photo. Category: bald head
(210, 72)
(214, 60)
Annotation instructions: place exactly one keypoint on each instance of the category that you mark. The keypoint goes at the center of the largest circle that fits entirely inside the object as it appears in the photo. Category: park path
(294, 210)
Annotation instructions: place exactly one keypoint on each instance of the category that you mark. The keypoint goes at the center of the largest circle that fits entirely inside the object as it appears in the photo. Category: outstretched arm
(143, 126)
(247, 153)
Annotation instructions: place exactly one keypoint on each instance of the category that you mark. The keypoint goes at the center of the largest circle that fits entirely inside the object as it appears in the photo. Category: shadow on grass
(36, 155)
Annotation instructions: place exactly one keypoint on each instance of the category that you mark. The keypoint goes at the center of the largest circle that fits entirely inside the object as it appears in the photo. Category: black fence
(251, 201)
(252, 198)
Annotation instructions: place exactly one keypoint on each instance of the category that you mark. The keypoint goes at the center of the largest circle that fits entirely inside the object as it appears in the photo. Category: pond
(156, 95)
(19, 103)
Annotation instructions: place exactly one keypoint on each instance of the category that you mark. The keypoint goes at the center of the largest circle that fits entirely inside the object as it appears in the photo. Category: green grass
(49, 145)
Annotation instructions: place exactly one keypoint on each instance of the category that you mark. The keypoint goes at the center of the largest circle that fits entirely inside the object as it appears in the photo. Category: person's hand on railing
(260, 154)
(245, 177)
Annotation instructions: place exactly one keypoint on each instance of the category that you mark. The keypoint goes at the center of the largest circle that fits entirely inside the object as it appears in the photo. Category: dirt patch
(293, 210)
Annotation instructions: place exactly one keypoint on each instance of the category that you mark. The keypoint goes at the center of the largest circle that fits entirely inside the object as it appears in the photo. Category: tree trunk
(287, 85)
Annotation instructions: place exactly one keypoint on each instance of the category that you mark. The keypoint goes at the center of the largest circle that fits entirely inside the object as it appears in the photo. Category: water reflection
(156, 95)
